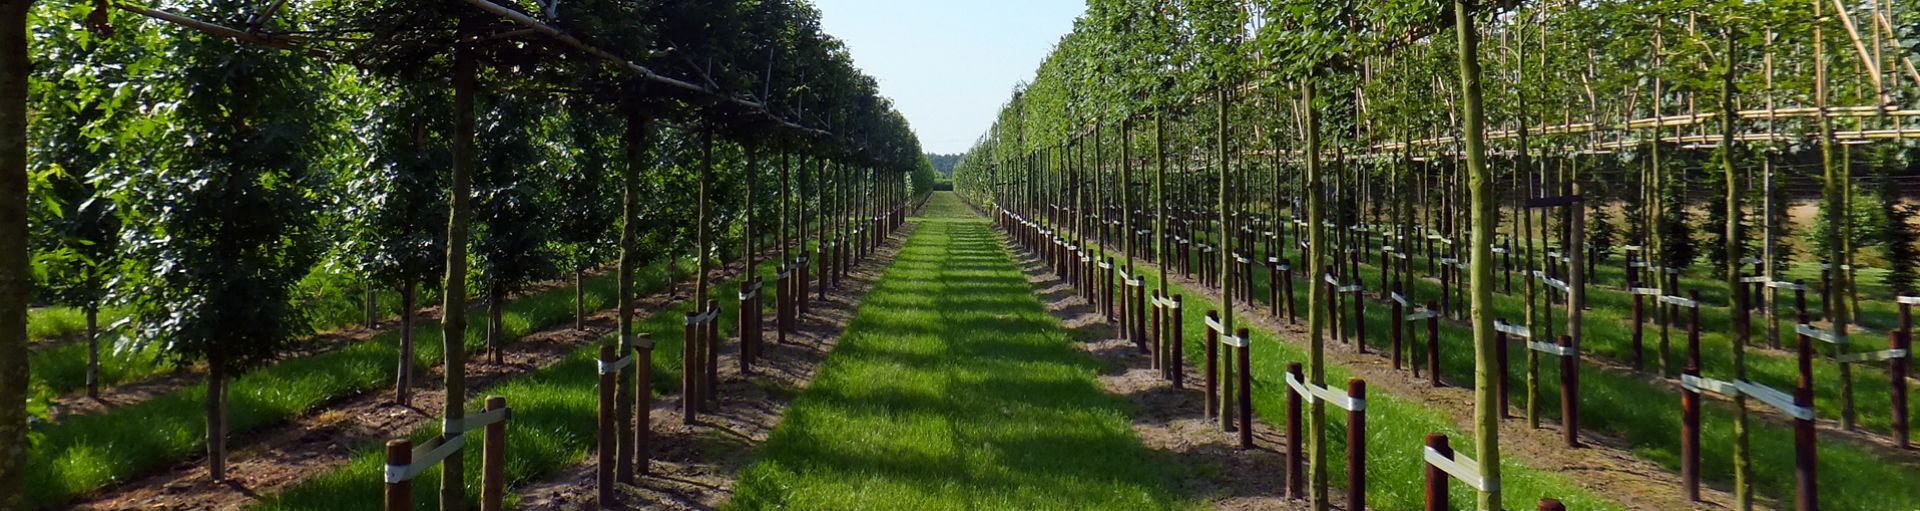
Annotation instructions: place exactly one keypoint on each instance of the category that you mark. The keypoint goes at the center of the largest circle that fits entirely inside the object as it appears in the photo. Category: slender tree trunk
(1480, 281)
(453, 315)
(630, 444)
(1317, 297)
(14, 272)
(579, 298)
(1739, 314)
(403, 368)
(216, 418)
(93, 349)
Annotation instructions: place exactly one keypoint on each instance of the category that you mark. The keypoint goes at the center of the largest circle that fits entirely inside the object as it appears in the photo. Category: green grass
(553, 425)
(331, 301)
(1647, 415)
(84, 453)
(954, 389)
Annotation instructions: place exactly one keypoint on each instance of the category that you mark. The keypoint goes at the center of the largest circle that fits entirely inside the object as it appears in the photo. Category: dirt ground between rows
(1167, 419)
(1604, 465)
(695, 467)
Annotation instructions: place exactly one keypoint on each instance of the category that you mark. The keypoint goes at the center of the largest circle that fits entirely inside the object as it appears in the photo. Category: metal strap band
(1647, 291)
(782, 274)
(1386, 248)
(1826, 336)
(1678, 301)
(1499, 250)
(1273, 260)
(702, 318)
(1872, 356)
(1908, 300)
(1400, 255)
(1555, 254)
(1520, 331)
(1134, 282)
(1423, 314)
(1355, 288)
(1778, 399)
(1397, 298)
(1215, 326)
(614, 366)
(1631, 248)
(1338, 399)
(1790, 286)
(1462, 468)
(1104, 265)
(1709, 385)
(1234, 341)
(753, 292)
(1240, 259)
(476, 421)
(1551, 348)
(1331, 281)
(1557, 284)
(424, 457)
(1448, 260)
(1750, 260)
(1756, 279)
(1123, 274)
(1637, 264)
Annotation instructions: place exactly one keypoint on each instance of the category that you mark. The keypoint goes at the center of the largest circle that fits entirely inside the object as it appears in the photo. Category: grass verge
(953, 388)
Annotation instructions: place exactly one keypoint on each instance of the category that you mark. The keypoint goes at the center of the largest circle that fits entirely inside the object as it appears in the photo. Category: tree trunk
(14, 271)
(630, 434)
(1739, 314)
(93, 350)
(216, 408)
(1480, 281)
(1317, 297)
(496, 334)
(453, 315)
(403, 372)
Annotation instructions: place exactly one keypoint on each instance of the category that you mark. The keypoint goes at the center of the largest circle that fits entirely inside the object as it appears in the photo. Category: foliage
(228, 222)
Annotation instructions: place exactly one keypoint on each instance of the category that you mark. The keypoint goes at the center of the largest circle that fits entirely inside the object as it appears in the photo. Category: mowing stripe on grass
(953, 388)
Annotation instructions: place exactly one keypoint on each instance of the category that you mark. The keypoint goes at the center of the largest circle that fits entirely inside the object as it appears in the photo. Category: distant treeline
(944, 163)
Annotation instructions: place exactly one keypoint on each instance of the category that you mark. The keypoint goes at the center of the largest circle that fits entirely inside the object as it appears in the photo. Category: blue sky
(949, 64)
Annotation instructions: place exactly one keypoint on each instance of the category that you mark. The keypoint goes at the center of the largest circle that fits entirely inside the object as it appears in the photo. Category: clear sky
(949, 64)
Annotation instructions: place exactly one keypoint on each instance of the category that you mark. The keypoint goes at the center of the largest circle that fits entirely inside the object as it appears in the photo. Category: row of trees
(196, 167)
(1420, 117)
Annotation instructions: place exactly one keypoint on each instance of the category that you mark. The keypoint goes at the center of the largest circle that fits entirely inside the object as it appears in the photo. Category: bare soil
(695, 467)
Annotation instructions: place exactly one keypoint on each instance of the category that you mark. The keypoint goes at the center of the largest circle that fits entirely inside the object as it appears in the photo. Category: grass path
(953, 388)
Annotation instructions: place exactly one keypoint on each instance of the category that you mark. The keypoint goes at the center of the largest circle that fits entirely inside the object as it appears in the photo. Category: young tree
(227, 223)
(396, 204)
(512, 228)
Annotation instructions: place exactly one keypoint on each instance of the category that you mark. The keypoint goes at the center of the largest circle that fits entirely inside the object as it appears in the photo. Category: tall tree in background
(512, 223)
(228, 230)
(397, 205)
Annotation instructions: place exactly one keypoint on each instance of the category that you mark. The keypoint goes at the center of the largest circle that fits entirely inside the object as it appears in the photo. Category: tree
(227, 228)
(396, 203)
(513, 225)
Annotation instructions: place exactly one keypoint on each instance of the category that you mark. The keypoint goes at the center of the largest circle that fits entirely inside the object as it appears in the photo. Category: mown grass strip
(1647, 415)
(553, 425)
(954, 389)
(85, 453)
